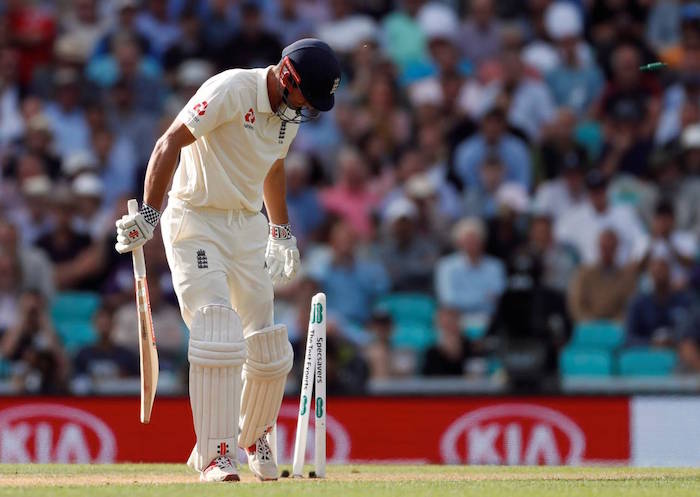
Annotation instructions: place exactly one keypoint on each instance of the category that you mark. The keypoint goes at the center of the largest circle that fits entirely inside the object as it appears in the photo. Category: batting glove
(282, 256)
(135, 230)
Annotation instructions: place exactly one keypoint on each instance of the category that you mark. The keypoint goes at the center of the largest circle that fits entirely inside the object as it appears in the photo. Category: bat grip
(137, 254)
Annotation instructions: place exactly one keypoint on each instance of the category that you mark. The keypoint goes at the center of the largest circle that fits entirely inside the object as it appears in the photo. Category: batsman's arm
(275, 193)
(163, 161)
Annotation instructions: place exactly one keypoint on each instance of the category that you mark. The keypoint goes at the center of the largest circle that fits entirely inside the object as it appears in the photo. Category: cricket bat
(148, 354)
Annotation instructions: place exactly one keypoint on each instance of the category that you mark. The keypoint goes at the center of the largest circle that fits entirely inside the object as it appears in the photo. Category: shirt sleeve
(215, 103)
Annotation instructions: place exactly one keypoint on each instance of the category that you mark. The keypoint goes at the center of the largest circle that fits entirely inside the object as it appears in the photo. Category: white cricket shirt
(238, 138)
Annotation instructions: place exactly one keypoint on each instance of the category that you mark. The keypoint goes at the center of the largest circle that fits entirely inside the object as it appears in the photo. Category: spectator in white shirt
(681, 246)
(558, 196)
(582, 225)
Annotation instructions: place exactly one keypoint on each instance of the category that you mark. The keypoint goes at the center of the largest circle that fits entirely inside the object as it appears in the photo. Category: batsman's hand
(132, 232)
(282, 259)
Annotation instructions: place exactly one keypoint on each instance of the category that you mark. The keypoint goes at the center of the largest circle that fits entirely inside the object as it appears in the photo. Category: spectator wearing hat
(468, 279)
(37, 142)
(581, 226)
(658, 316)
(441, 27)
(68, 54)
(567, 190)
(555, 23)
(64, 246)
(77, 163)
(90, 219)
(576, 82)
(507, 229)
(408, 258)
(493, 138)
(30, 211)
(602, 290)
(83, 27)
(188, 77)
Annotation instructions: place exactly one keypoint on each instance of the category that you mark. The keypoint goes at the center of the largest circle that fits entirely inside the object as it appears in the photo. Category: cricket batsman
(224, 255)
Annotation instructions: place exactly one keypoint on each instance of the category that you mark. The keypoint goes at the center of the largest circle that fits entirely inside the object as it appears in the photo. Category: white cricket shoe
(223, 468)
(260, 460)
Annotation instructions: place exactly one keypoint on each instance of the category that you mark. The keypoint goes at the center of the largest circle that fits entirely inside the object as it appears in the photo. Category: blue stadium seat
(409, 307)
(607, 335)
(413, 336)
(643, 361)
(412, 314)
(74, 306)
(580, 361)
(475, 332)
(75, 334)
(5, 368)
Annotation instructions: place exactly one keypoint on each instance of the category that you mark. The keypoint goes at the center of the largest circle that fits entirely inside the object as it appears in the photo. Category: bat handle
(137, 254)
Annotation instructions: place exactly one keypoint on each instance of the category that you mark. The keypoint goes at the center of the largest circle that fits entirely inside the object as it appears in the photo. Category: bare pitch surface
(168, 480)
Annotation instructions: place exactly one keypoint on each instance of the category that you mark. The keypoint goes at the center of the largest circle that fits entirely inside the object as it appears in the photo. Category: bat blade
(148, 354)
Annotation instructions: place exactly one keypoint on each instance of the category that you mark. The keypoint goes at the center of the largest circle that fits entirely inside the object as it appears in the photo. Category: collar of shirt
(263, 96)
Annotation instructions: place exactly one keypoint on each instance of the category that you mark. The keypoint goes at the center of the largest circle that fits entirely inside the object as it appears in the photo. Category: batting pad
(216, 352)
(270, 359)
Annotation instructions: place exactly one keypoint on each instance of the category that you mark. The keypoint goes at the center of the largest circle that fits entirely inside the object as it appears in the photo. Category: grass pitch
(169, 480)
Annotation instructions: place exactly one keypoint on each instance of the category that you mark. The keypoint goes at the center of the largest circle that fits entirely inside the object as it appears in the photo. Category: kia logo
(338, 446)
(45, 433)
(513, 434)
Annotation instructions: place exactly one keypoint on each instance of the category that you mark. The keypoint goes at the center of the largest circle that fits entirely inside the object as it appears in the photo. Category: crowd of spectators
(507, 159)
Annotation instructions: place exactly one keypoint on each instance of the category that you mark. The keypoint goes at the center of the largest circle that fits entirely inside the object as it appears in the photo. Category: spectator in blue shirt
(305, 211)
(351, 283)
(493, 139)
(657, 317)
(467, 279)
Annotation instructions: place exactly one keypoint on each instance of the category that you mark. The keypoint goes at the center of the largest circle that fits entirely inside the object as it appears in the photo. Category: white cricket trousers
(218, 257)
